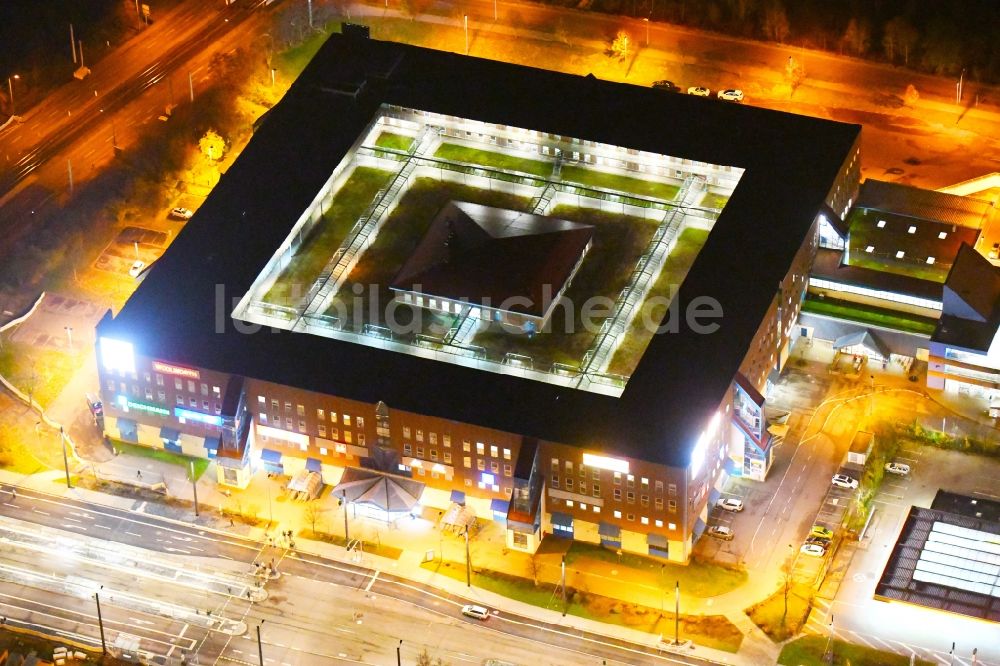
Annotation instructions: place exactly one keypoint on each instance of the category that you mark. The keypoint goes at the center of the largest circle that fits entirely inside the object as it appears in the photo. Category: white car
(477, 612)
(136, 268)
(844, 481)
(699, 91)
(721, 532)
(897, 468)
(730, 504)
(181, 213)
(731, 95)
(812, 549)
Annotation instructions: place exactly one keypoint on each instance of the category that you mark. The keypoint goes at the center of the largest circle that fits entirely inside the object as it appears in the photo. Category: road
(318, 610)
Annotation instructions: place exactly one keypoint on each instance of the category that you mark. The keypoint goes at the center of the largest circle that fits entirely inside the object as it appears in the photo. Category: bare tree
(787, 583)
(899, 38)
(312, 513)
(534, 568)
(774, 22)
(857, 36)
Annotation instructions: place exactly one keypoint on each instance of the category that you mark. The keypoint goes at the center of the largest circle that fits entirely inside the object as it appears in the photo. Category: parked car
(181, 213)
(844, 481)
(666, 85)
(820, 531)
(699, 91)
(813, 550)
(731, 95)
(95, 405)
(721, 532)
(819, 541)
(136, 268)
(477, 612)
(730, 504)
(897, 468)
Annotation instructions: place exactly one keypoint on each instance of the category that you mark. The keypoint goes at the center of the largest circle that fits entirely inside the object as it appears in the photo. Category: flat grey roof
(180, 311)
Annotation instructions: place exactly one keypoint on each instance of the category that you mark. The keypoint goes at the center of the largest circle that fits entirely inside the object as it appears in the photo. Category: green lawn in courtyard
(41, 372)
(454, 152)
(349, 203)
(619, 240)
(200, 464)
(394, 141)
(653, 309)
(713, 631)
(697, 579)
(291, 62)
(713, 200)
(618, 183)
(866, 314)
(809, 651)
(397, 240)
(932, 272)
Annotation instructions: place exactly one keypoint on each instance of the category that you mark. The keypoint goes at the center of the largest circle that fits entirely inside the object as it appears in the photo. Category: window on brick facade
(420, 452)
(672, 505)
(507, 471)
(467, 461)
(320, 415)
(618, 478)
(447, 457)
(466, 445)
(434, 454)
(672, 489)
(480, 464)
(348, 437)
(506, 454)
(159, 379)
(406, 432)
(420, 435)
(322, 430)
(658, 503)
(658, 487)
(347, 419)
(494, 451)
(480, 448)
(494, 466)
(446, 440)
(569, 484)
(555, 480)
(178, 384)
(644, 500)
(618, 494)
(360, 422)
(407, 448)
(432, 437)
(630, 497)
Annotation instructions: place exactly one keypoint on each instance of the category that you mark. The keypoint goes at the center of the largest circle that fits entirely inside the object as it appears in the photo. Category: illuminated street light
(646, 21)
(10, 86)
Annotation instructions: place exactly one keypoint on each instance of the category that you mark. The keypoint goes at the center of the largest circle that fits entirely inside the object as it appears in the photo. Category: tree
(774, 22)
(794, 73)
(620, 46)
(311, 514)
(787, 583)
(857, 36)
(899, 37)
(212, 145)
(534, 568)
(911, 95)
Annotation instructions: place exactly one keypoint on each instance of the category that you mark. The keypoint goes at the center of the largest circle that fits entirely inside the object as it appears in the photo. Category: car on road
(731, 95)
(666, 85)
(721, 532)
(730, 504)
(699, 91)
(897, 468)
(136, 268)
(820, 531)
(478, 612)
(181, 213)
(844, 481)
(812, 549)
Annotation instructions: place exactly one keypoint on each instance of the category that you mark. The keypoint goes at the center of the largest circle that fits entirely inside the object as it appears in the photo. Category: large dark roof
(181, 311)
(494, 256)
(971, 312)
(923, 204)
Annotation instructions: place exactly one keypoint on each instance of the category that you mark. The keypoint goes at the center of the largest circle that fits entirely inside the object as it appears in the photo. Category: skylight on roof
(943, 235)
(911, 230)
(930, 260)
(900, 254)
(870, 249)
(881, 224)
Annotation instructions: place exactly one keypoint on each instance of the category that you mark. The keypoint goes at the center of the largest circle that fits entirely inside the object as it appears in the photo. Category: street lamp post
(828, 653)
(563, 583)
(465, 20)
(10, 86)
(62, 445)
(494, 11)
(677, 613)
(347, 533)
(871, 402)
(260, 649)
(468, 560)
(69, 336)
(646, 21)
(399, 655)
(100, 622)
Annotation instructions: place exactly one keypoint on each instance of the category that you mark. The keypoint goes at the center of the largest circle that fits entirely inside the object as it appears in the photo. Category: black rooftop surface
(971, 314)
(791, 162)
(964, 505)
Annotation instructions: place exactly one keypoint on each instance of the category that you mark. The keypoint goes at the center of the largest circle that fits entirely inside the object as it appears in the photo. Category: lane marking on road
(368, 587)
(44, 513)
(75, 520)
(103, 527)
(134, 534)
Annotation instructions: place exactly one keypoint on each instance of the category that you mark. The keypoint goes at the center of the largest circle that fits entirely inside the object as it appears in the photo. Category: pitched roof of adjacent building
(923, 204)
(971, 302)
(502, 258)
(791, 164)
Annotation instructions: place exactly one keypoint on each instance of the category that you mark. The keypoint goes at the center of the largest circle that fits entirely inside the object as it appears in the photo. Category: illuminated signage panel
(117, 355)
(180, 371)
(142, 406)
(188, 415)
(604, 462)
(284, 435)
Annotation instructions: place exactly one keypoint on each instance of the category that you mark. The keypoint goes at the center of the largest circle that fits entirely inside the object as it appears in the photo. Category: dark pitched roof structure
(971, 302)
(181, 310)
(492, 256)
(923, 204)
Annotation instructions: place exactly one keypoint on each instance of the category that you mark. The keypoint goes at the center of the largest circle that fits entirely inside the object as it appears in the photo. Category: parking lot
(906, 629)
